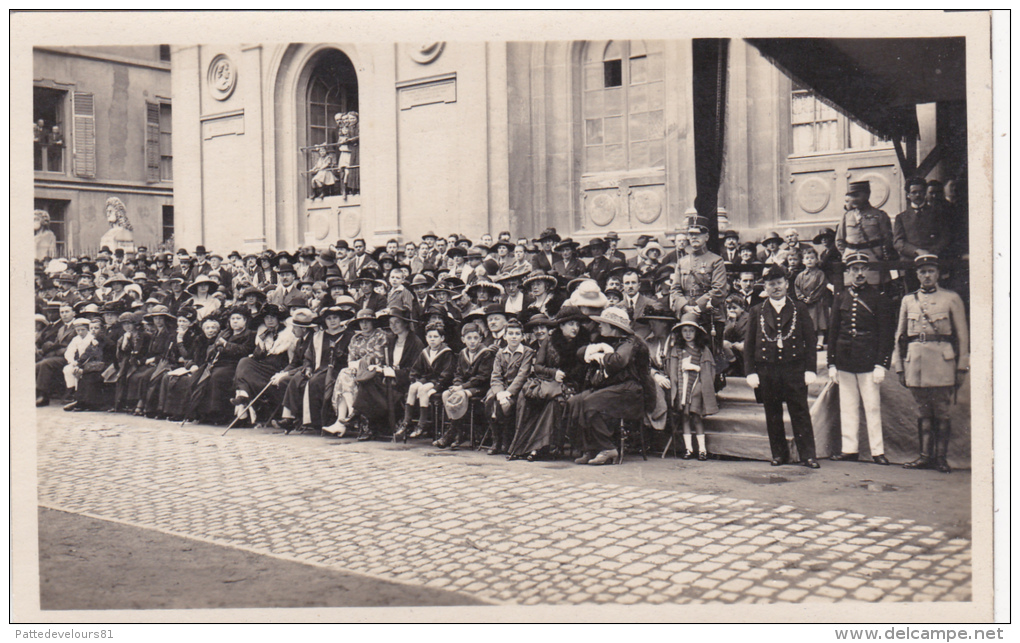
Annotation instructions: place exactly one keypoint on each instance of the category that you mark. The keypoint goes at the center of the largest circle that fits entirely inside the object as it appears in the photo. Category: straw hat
(616, 317)
(588, 295)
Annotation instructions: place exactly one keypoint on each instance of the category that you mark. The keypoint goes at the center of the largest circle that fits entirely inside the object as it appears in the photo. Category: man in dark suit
(779, 359)
(634, 301)
(546, 258)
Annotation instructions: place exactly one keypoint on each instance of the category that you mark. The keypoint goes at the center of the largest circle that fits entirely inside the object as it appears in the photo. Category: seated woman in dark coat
(618, 384)
(557, 373)
(91, 393)
(195, 353)
(161, 341)
(382, 387)
(210, 398)
(274, 343)
(177, 356)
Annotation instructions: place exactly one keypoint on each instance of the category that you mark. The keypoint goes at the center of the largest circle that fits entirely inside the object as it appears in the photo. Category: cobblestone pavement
(502, 536)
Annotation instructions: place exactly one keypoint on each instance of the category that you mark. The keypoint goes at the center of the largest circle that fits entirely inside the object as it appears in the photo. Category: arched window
(332, 166)
(624, 119)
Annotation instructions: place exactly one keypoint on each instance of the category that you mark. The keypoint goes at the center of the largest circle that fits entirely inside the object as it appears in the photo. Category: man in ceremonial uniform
(860, 347)
(866, 229)
(699, 282)
(779, 359)
(932, 358)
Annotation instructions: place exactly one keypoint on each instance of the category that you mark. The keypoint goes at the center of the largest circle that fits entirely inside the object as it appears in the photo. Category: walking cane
(245, 411)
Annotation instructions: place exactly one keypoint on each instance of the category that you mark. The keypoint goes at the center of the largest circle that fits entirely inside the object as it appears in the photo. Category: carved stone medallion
(222, 77)
(426, 52)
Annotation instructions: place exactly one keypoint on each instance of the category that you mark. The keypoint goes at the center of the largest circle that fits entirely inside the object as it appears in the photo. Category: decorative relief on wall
(350, 223)
(318, 223)
(646, 203)
(222, 77)
(814, 194)
(601, 207)
(427, 91)
(426, 52)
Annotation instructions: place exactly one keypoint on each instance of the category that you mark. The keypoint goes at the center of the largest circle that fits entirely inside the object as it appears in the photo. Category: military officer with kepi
(779, 359)
(865, 229)
(860, 348)
(932, 358)
(699, 281)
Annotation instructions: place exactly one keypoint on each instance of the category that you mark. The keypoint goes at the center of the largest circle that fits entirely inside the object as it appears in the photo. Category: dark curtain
(710, 60)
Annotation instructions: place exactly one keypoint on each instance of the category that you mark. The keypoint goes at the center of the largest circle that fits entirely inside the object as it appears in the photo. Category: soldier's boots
(942, 445)
(924, 460)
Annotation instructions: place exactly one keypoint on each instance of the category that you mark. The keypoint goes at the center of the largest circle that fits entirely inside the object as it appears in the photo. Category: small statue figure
(347, 145)
(323, 179)
(45, 239)
(120, 234)
(56, 136)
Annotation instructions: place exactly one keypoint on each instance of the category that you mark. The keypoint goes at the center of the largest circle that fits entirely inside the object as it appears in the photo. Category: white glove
(388, 371)
(832, 373)
(503, 397)
(810, 377)
(753, 381)
(275, 379)
(661, 380)
(879, 375)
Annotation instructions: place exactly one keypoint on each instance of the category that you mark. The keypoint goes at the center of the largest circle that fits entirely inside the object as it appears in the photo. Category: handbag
(538, 389)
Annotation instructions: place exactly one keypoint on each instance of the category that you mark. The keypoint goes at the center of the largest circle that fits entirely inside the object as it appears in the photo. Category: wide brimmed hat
(456, 251)
(160, 310)
(365, 313)
(429, 235)
(772, 237)
(302, 317)
(487, 285)
(539, 275)
(475, 314)
(253, 291)
(90, 309)
(368, 275)
(421, 279)
(400, 312)
(596, 246)
(569, 313)
(539, 319)
(566, 243)
(509, 245)
(203, 279)
(343, 313)
(826, 233)
(689, 319)
(130, 318)
(115, 279)
(658, 311)
(244, 311)
(652, 245)
(279, 312)
(335, 282)
(456, 405)
(588, 295)
(616, 317)
(519, 273)
(347, 302)
(549, 234)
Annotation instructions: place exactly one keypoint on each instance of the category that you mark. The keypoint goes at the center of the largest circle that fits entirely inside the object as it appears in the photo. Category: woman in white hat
(201, 291)
(618, 387)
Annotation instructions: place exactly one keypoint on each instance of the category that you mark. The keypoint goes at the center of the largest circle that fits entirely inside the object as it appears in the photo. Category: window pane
(638, 155)
(614, 101)
(802, 108)
(317, 94)
(615, 158)
(166, 144)
(656, 124)
(593, 131)
(655, 100)
(860, 138)
(593, 75)
(803, 139)
(638, 70)
(657, 153)
(637, 99)
(317, 115)
(613, 73)
(828, 136)
(614, 130)
(639, 127)
(594, 160)
(654, 64)
(593, 105)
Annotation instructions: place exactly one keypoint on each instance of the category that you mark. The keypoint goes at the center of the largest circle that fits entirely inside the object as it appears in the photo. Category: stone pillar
(187, 130)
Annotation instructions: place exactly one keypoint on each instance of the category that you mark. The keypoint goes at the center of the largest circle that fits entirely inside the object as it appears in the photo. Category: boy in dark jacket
(471, 378)
(431, 373)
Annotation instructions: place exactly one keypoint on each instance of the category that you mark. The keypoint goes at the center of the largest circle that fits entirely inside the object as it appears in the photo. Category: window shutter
(84, 143)
(152, 142)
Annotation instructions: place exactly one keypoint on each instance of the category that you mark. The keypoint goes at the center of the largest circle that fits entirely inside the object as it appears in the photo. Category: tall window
(624, 95)
(48, 127)
(817, 128)
(159, 155)
(168, 224)
(333, 89)
(166, 151)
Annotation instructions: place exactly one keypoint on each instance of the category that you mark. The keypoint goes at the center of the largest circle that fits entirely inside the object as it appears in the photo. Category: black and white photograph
(563, 316)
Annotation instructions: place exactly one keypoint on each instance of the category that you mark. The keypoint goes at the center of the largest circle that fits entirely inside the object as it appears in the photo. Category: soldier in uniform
(699, 283)
(932, 358)
(860, 347)
(866, 229)
(779, 359)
